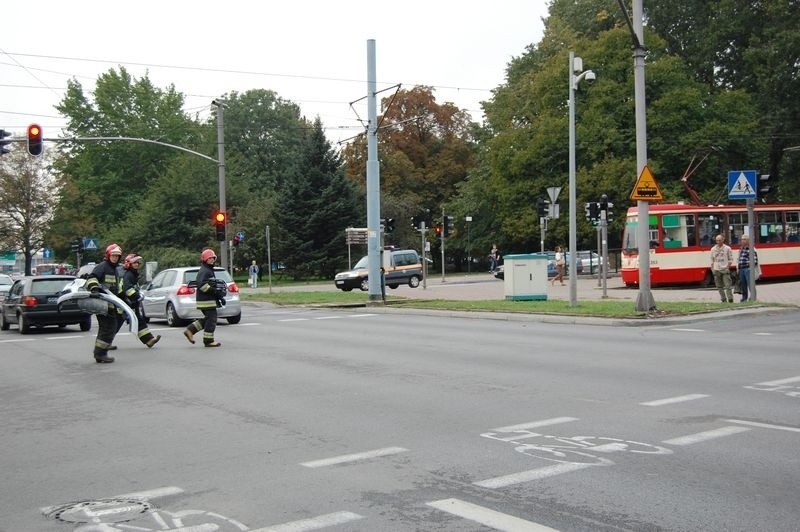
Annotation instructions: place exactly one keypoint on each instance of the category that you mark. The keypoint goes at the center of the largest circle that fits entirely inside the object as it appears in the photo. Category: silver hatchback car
(168, 296)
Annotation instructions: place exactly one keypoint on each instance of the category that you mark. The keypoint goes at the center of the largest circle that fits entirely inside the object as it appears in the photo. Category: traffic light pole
(221, 166)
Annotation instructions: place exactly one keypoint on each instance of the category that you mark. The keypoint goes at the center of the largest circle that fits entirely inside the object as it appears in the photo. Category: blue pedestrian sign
(47, 253)
(90, 244)
(240, 235)
(742, 184)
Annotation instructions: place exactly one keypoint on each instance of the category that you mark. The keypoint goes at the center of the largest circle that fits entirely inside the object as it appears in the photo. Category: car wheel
(86, 324)
(413, 282)
(233, 320)
(3, 323)
(393, 286)
(364, 285)
(172, 318)
(347, 289)
(24, 326)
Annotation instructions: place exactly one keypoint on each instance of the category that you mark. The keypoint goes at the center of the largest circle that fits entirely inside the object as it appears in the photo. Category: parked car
(168, 296)
(401, 266)
(590, 261)
(5, 285)
(31, 302)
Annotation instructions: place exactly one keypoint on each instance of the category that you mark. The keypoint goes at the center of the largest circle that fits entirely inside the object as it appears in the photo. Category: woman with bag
(560, 263)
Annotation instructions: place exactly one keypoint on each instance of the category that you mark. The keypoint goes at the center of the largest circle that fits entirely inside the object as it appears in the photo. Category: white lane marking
(535, 424)
(315, 523)
(295, 319)
(18, 340)
(762, 425)
(688, 330)
(705, 436)
(779, 382)
(329, 318)
(63, 337)
(763, 334)
(679, 399)
(354, 457)
(247, 324)
(361, 315)
(487, 517)
(530, 475)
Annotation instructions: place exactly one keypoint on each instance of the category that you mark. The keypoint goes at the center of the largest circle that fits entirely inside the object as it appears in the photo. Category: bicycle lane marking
(531, 475)
(789, 387)
(366, 455)
(487, 517)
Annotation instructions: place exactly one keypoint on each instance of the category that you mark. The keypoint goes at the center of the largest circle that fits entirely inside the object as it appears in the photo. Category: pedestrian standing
(494, 258)
(253, 272)
(134, 297)
(210, 294)
(107, 275)
(721, 264)
(744, 266)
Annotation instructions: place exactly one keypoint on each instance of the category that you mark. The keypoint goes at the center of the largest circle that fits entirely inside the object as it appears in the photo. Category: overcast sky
(312, 52)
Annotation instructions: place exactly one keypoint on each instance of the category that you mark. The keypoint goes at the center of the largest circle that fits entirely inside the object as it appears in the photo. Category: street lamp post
(576, 75)
(469, 244)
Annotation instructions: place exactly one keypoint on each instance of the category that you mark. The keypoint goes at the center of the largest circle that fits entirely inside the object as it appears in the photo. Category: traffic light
(219, 224)
(763, 184)
(3, 142)
(447, 225)
(236, 240)
(415, 220)
(389, 225)
(541, 208)
(438, 229)
(35, 140)
(75, 245)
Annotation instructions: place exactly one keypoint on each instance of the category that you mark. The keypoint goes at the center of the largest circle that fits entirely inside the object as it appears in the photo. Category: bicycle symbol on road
(585, 450)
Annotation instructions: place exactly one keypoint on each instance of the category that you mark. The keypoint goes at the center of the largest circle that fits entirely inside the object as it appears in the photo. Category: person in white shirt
(721, 264)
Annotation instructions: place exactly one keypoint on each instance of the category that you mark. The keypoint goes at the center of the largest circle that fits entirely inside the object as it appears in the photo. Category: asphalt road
(354, 420)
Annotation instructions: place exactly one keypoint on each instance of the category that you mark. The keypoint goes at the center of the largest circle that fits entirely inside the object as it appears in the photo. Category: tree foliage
(28, 191)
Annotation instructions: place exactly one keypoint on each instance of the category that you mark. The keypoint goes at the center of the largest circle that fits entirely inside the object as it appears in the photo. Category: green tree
(108, 178)
(316, 204)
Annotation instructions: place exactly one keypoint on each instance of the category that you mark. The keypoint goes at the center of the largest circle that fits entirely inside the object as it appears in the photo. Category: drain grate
(114, 510)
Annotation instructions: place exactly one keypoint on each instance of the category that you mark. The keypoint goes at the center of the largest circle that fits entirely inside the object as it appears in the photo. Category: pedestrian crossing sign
(742, 184)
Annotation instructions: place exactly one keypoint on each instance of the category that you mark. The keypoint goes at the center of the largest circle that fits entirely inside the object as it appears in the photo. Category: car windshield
(362, 264)
(219, 273)
(41, 287)
(6, 280)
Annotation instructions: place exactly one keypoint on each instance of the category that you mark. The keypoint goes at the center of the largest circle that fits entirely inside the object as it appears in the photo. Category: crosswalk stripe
(679, 399)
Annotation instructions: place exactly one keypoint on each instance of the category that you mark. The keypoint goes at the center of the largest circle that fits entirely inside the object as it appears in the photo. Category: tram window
(737, 225)
(679, 230)
(792, 226)
(770, 227)
(708, 227)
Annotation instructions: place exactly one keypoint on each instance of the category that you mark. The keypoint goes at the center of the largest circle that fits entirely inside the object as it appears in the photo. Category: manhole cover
(116, 510)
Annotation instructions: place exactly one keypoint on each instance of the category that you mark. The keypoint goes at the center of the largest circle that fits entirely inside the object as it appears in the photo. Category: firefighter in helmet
(107, 275)
(210, 294)
(133, 296)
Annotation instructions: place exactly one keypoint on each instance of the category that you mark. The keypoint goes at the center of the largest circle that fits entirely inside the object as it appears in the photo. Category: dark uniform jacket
(130, 287)
(206, 287)
(106, 275)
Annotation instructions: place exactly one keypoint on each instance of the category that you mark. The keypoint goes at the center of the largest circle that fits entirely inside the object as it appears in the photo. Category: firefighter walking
(210, 294)
(133, 296)
(107, 275)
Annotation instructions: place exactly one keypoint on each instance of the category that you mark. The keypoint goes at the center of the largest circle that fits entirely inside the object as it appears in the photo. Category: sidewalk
(485, 286)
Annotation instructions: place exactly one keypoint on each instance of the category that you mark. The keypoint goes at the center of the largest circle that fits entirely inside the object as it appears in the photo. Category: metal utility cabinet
(525, 277)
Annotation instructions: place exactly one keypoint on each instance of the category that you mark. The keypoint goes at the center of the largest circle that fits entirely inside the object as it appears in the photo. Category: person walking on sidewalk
(209, 296)
(560, 263)
(253, 272)
(721, 264)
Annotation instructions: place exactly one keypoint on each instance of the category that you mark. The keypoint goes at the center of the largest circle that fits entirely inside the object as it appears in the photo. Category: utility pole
(373, 179)
(220, 105)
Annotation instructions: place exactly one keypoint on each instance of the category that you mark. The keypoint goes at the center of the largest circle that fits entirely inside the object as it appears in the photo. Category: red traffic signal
(438, 229)
(219, 225)
(35, 140)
